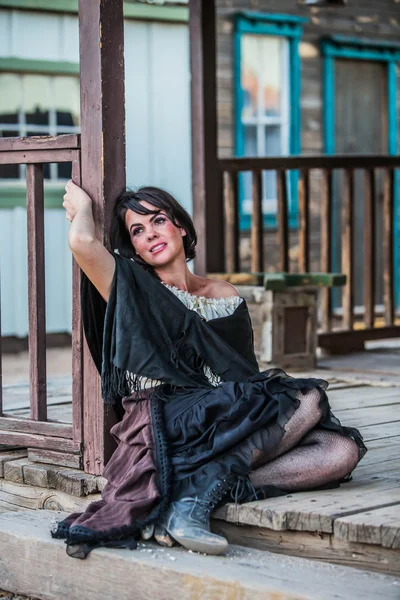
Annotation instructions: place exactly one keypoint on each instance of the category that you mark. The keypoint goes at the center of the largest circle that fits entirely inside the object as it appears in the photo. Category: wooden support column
(101, 36)
(206, 181)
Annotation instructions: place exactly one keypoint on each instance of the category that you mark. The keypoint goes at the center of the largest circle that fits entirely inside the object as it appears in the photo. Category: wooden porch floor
(356, 525)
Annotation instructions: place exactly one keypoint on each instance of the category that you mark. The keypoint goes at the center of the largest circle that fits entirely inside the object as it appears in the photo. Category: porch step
(36, 565)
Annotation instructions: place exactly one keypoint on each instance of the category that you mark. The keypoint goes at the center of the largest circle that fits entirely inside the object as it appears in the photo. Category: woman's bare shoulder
(221, 289)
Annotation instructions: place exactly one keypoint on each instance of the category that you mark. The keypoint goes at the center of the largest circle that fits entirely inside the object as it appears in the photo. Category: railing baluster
(326, 246)
(282, 220)
(257, 229)
(304, 221)
(347, 247)
(77, 334)
(388, 243)
(231, 201)
(1, 361)
(369, 247)
(36, 291)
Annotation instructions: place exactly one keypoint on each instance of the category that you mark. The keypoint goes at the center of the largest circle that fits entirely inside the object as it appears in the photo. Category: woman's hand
(75, 201)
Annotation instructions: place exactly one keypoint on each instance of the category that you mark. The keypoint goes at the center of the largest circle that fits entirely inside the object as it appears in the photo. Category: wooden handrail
(70, 141)
(343, 161)
(233, 168)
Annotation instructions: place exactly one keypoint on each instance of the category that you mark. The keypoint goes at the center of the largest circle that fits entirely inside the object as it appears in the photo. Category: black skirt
(203, 426)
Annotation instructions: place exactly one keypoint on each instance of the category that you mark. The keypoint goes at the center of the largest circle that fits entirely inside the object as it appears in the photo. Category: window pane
(37, 99)
(273, 140)
(10, 99)
(64, 170)
(270, 57)
(249, 75)
(66, 100)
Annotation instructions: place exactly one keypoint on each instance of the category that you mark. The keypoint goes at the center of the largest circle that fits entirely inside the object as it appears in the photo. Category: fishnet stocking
(306, 417)
(322, 457)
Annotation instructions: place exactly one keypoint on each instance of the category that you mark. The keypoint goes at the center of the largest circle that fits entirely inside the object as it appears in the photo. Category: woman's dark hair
(161, 200)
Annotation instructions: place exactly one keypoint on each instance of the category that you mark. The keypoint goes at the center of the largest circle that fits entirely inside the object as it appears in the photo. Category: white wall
(157, 144)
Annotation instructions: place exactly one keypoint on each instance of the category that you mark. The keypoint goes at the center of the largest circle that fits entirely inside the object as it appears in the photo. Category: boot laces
(214, 497)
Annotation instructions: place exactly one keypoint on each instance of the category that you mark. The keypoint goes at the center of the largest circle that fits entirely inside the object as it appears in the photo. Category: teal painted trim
(329, 147)
(369, 42)
(295, 120)
(270, 222)
(355, 49)
(280, 29)
(48, 67)
(329, 104)
(393, 149)
(14, 194)
(272, 17)
(149, 12)
(69, 6)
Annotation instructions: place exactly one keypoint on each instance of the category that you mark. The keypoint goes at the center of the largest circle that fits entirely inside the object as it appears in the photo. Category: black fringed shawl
(145, 330)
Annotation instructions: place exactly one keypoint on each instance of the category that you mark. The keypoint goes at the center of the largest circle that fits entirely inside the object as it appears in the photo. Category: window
(267, 102)
(265, 108)
(32, 104)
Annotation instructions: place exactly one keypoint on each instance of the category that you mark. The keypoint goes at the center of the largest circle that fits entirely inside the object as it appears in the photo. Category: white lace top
(208, 308)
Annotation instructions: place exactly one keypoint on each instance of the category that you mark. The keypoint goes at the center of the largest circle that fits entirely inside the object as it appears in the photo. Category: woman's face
(154, 237)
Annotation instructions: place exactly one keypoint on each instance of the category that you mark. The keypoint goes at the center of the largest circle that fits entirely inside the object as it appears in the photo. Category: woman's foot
(188, 522)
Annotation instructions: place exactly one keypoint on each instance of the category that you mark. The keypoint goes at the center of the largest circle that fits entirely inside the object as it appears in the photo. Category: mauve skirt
(198, 428)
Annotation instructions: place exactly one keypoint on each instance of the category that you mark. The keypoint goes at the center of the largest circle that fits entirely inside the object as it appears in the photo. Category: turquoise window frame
(290, 27)
(339, 46)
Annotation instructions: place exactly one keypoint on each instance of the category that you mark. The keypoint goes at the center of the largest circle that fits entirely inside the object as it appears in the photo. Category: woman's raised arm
(90, 254)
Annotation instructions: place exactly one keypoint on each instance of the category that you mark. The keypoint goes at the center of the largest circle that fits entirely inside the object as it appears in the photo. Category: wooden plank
(322, 161)
(206, 181)
(71, 481)
(314, 511)
(314, 545)
(257, 225)
(282, 222)
(8, 456)
(243, 573)
(231, 212)
(369, 247)
(33, 440)
(25, 497)
(55, 458)
(376, 432)
(346, 340)
(326, 246)
(101, 34)
(36, 291)
(62, 430)
(360, 397)
(347, 247)
(304, 221)
(42, 142)
(77, 337)
(30, 157)
(388, 246)
(380, 527)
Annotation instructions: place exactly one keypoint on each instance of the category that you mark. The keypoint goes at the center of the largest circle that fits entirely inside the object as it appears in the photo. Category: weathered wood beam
(25, 157)
(42, 142)
(36, 291)
(206, 179)
(101, 36)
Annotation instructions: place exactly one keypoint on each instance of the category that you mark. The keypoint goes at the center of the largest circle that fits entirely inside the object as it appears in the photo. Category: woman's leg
(321, 458)
(306, 417)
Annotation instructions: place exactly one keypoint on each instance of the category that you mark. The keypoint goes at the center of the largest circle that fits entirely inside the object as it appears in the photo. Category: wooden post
(257, 225)
(326, 246)
(101, 36)
(36, 291)
(206, 183)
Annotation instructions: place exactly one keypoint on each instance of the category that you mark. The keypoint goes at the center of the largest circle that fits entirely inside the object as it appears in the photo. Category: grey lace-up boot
(188, 519)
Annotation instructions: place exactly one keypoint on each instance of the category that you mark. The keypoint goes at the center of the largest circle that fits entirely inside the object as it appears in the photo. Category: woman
(199, 423)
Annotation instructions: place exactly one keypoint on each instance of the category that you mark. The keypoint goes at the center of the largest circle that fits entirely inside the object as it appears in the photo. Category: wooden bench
(284, 311)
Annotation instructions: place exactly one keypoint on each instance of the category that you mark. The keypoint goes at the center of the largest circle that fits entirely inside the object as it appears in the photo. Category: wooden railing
(37, 431)
(347, 336)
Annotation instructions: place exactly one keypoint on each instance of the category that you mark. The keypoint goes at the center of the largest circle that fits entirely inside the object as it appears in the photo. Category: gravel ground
(11, 596)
